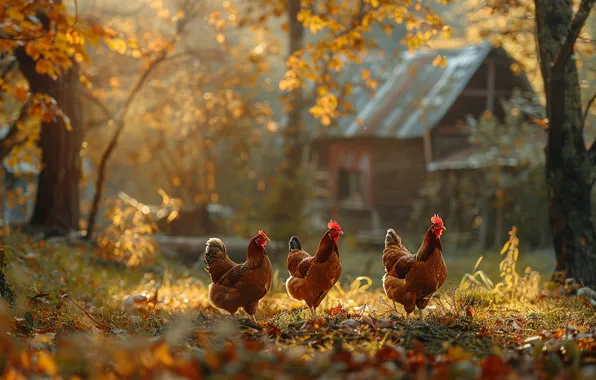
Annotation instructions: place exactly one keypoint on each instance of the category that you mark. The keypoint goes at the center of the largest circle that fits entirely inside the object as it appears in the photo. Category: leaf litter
(69, 328)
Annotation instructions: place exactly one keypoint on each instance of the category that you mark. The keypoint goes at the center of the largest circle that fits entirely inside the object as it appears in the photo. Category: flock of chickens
(410, 279)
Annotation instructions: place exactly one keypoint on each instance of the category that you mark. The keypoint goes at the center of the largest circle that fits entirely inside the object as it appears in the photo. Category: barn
(371, 168)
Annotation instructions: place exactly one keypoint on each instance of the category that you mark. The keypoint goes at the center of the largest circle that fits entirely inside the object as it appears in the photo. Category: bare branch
(587, 110)
(8, 69)
(121, 117)
(9, 141)
(575, 29)
(99, 104)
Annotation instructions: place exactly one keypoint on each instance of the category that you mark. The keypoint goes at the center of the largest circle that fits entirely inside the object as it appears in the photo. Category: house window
(350, 185)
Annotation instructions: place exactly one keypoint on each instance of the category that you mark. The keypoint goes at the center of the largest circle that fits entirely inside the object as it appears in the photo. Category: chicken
(411, 279)
(238, 285)
(311, 277)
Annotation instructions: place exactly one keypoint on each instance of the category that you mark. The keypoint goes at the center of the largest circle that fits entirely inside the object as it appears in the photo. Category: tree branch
(587, 110)
(121, 117)
(9, 141)
(99, 104)
(575, 29)
(120, 123)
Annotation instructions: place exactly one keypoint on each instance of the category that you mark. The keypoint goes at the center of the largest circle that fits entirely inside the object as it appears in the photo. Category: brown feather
(411, 280)
(311, 277)
(242, 285)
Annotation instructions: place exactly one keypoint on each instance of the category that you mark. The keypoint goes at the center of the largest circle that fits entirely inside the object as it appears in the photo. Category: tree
(570, 170)
(46, 42)
(570, 167)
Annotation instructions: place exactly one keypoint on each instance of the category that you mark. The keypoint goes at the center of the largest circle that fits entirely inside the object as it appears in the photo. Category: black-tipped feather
(295, 243)
(392, 238)
(212, 248)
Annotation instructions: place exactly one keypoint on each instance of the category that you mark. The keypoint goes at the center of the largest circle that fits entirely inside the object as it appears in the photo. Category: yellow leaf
(505, 247)
(46, 364)
(220, 38)
(13, 374)
(117, 45)
(365, 74)
(457, 354)
(15, 14)
(124, 365)
(372, 83)
(85, 81)
(162, 354)
(440, 61)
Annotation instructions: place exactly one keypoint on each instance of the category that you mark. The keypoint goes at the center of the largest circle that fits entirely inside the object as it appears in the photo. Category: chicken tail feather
(218, 263)
(392, 238)
(214, 248)
(295, 243)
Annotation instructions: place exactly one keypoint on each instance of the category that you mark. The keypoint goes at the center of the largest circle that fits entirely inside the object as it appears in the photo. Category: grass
(163, 310)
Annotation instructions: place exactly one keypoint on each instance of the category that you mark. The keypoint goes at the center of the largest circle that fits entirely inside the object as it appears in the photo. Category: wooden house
(371, 168)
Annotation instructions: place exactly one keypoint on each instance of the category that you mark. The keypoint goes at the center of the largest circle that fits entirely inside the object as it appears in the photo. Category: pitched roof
(398, 108)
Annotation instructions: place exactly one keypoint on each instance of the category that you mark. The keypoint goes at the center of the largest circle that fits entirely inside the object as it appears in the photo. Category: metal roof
(414, 95)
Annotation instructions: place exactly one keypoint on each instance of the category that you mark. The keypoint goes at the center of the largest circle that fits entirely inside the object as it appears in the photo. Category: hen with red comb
(410, 279)
(238, 285)
(311, 277)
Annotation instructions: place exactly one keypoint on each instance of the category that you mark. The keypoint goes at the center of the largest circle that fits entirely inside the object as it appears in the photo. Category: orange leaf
(20, 94)
(45, 364)
(43, 66)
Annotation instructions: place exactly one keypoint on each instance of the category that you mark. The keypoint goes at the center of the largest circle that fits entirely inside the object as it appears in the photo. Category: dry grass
(111, 303)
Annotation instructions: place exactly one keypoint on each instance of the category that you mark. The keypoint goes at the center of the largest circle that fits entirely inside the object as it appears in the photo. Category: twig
(587, 110)
(66, 296)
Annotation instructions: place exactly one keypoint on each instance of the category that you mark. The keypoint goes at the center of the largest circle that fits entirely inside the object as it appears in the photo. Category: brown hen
(412, 279)
(311, 277)
(238, 285)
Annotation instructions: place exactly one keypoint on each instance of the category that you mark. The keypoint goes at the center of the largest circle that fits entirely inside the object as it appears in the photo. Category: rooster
(238, 285)
(311, 277)
(411, 279)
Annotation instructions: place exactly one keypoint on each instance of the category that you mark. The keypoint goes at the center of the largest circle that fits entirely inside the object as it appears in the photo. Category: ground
(79, 317)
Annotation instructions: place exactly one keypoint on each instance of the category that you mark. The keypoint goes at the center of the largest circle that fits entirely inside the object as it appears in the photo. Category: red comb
(436, 219)
(333, 225)
(263, 234)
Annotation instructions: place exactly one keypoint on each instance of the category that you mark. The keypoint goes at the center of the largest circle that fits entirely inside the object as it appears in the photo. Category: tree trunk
(569, 168)
(291, 192)
(294, 128)
(57, 202)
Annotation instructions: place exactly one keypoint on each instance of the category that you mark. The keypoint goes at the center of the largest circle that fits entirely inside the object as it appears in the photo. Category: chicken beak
(444, 228)
(268, 238)
(341, 232)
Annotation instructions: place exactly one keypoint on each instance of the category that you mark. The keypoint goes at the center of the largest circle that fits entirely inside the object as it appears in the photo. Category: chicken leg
(314, 312)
